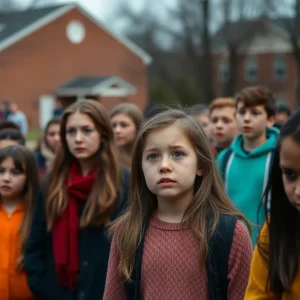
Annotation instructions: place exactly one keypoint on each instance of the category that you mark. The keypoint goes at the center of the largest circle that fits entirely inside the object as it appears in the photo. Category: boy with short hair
(222, 113)
(246, 163)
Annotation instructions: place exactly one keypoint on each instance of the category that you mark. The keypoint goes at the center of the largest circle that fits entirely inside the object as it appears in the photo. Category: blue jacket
(246, 176)
(94, 248)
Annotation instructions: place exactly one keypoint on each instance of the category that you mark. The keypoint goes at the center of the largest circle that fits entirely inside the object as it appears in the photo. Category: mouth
(166, 181)
(5, 187)
(219, 134)
(79, 150)
(247, 129)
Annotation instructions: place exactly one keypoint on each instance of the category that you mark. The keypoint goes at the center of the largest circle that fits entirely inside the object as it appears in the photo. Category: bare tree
(288, 12)
(243, 12)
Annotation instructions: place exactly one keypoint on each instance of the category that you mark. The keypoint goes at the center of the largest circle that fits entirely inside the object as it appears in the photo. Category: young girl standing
(67, 252)
(126, 120)
(48, 146)
(275, 272)
(18, 184)
(161, 245)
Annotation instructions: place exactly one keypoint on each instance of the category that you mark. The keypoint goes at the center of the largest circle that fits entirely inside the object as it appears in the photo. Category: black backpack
(217, 264)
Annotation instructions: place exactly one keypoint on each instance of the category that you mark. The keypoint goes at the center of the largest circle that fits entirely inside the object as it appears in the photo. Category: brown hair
(134, 113)
(257, 95)
(221, 103)
(24, 161)
(210, 199)
(101, 200)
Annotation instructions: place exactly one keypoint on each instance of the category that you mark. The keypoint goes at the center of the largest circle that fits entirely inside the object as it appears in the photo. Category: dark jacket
(94, 248)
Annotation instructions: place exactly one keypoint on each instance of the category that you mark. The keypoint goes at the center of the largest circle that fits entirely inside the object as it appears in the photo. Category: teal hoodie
(246, 177)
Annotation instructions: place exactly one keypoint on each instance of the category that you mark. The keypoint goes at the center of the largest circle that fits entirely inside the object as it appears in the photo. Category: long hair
(43, 138)
(24, 162)
(209, 201)
(102, 197)
(282, 250)
(136, 115)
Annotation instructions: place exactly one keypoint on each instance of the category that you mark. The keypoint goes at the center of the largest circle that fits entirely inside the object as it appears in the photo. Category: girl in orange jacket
(18, 184)
(275, 272)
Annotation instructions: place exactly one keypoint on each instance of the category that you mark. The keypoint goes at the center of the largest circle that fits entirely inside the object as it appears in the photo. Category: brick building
(45, 51)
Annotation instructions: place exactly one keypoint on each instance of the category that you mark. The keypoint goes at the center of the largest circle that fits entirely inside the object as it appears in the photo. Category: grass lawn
(33, 134)
(32, 137)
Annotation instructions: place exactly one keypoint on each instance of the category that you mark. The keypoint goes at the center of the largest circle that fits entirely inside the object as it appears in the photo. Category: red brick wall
(45, 59)
(285, 88)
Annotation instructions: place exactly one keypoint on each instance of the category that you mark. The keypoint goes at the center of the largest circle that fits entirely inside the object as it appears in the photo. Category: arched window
(251, 68)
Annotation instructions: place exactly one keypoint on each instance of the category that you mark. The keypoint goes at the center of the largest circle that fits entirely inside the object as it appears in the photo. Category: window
(279, 67)
(280, 99)
(251, 69)
(2, 27)
(223, 70)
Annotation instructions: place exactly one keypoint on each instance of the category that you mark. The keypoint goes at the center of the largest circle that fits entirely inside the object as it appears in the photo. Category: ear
(199, 172)
(271, 121)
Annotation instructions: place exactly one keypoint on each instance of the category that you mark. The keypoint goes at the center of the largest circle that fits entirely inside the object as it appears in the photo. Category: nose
(165, 165)
(57, 137)
(297, 190)
(6, 177)
(78, 137)
(219, 124)
(247, 116)
(117, 129)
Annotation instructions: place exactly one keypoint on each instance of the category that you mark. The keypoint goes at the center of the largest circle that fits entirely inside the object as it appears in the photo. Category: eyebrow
(170, 147)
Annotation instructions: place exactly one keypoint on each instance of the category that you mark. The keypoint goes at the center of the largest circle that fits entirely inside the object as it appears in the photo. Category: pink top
(171, 268)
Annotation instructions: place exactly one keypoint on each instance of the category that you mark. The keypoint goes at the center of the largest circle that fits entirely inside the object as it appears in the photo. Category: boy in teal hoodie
(246, 163)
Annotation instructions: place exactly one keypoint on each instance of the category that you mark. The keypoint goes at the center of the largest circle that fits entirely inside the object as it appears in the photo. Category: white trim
(229, 162)
(102, 89)
(266, 178)
(34, 26)
(146, 58)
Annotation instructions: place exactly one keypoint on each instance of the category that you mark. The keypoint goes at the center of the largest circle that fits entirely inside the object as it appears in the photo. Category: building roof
(94, 85)
(235, 32)
(16, 25)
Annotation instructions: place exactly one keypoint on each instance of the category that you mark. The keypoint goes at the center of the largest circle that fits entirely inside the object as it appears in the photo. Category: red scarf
(66, 228)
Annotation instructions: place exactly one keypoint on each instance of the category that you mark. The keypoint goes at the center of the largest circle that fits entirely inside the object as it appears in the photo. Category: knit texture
(171, 267)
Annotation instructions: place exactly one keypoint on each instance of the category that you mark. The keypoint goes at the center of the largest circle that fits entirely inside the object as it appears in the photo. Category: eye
(241, 111)
(255, 112)
(87, 130)
(214, 120)
(178, 154)
(226, 120)
(2, 170)
(124, 125)
(152, 156)
(16, 172)
(71, 131)
(290, 175)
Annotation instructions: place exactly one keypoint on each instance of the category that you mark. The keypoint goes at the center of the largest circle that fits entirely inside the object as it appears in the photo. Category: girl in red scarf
(67, 252)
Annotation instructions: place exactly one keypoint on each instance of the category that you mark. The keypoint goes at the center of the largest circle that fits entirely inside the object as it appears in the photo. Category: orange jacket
(13, 283)
(256, 289)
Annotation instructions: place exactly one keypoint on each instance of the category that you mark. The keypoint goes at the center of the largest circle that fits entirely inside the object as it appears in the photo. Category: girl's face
(124, 129)
(82, 136)
(53, 137)
(169, 164)
(290, 166)
(12, 180)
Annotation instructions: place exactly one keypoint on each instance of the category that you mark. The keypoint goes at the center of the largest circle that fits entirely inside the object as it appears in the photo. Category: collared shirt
(13, 282)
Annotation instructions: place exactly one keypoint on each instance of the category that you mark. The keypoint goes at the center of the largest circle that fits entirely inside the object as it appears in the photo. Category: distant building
(264, 57)
(63, 52)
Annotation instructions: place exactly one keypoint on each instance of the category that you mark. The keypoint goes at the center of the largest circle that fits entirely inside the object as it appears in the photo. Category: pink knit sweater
(171, 269)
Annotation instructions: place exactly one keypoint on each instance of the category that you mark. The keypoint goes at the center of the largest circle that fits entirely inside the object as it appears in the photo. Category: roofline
(146, 58)
(276, 29)
(19, 35)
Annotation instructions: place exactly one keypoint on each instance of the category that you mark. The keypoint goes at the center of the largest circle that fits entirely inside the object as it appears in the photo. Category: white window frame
(279, 63)
(250, 64)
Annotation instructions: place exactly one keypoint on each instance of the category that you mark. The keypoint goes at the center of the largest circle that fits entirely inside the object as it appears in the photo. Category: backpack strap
(219, 246)
(132, 287)
(225, 160)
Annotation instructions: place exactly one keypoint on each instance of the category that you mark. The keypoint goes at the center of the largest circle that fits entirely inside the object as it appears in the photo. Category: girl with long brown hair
(275, 272)
(67, 252)
(126, 120)
(161, 245)
(18, 185)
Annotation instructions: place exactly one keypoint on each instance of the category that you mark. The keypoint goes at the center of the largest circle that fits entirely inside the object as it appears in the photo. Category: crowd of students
(112, 205)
